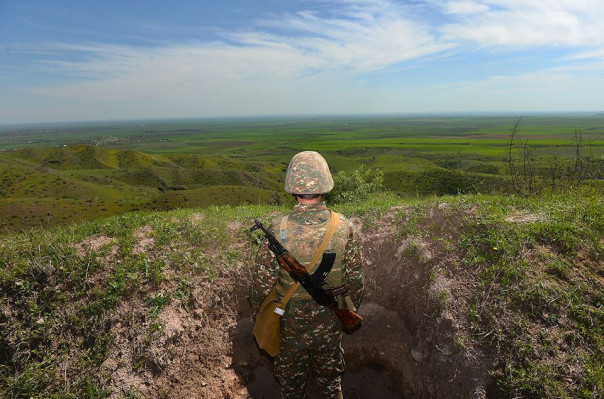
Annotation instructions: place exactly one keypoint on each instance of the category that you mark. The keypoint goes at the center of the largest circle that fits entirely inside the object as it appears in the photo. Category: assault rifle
(314, 284)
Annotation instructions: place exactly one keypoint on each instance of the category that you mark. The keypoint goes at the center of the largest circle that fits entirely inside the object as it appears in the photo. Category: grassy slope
(532, 271)
(540, 304)
(50, 186)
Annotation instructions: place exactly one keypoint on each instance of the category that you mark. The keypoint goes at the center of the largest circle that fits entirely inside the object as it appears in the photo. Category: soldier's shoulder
(350, 225)
(344, 219)
(275, 223)
(345, 223)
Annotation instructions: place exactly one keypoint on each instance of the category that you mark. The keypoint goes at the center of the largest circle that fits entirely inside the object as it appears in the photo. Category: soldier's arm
(353, 267)
(264, 276)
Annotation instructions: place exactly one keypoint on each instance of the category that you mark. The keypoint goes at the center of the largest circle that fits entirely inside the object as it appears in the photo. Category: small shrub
(356, 187)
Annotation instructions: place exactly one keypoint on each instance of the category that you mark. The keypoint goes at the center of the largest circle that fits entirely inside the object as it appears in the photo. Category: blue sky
(112, 60)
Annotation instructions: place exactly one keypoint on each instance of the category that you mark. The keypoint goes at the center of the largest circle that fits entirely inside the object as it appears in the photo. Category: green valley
(62, 173)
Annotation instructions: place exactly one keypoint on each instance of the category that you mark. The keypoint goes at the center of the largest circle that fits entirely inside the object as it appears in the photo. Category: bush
(356, 187)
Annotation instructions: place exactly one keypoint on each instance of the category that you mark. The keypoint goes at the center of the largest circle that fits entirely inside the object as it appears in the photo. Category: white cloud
(572, 88)
(310, 53)
(363, 36)
(527, 23)
(465, 7)
(596, 53)
(205, 81)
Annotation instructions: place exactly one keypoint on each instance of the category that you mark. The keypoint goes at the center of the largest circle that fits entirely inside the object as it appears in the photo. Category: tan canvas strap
(331, 229)
(283, 230)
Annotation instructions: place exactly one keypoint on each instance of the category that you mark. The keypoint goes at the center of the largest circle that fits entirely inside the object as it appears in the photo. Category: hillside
(60, 185)
(467, 296)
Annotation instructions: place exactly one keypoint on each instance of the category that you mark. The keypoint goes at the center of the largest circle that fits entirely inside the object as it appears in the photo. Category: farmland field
(66, 172)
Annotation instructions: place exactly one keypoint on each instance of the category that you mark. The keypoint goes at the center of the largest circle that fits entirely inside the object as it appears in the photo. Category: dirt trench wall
(410, 277)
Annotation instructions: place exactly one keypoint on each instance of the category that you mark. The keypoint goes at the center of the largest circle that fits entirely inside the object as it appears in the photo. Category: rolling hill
(49, 186)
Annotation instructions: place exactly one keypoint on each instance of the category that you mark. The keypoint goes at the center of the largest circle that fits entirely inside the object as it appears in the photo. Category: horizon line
(518, 114)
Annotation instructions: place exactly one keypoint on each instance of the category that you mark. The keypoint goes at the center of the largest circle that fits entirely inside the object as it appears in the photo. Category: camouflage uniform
(310, 334)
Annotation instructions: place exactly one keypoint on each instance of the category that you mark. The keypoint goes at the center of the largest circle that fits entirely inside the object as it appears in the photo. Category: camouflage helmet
(308, 173)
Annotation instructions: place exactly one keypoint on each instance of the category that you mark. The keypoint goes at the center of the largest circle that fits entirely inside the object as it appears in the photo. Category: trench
(376, 355)
(407, 346)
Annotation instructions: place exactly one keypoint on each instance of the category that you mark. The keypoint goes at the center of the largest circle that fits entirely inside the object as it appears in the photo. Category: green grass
(51, 186)
(536, 261)
(71, 279)
(539, 263)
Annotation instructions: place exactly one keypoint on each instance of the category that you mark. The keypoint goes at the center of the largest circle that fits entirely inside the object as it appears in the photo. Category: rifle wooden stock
(292, 265)
(350, 320)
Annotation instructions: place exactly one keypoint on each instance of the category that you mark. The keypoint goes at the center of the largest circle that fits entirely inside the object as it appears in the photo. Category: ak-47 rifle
(314, 284)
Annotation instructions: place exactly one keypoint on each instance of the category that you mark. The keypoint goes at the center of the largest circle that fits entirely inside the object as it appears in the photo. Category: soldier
(310, 334)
